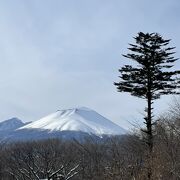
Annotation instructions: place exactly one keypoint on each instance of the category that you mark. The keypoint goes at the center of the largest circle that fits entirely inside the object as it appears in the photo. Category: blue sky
(56, 54)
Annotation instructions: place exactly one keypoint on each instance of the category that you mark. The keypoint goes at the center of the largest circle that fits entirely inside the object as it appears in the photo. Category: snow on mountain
(77, 119)
(11, 124)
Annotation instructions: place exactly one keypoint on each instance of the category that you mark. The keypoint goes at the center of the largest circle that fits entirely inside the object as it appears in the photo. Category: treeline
(117, 158)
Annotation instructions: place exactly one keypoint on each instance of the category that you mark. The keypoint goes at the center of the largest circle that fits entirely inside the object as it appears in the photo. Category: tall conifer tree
(150, 76)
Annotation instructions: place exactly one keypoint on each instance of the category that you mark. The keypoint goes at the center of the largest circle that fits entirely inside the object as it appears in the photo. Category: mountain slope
(11, 124)
(7, 127)
(76, 120)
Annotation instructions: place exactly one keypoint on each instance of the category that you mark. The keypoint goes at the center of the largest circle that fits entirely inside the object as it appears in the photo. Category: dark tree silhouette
(151, 77)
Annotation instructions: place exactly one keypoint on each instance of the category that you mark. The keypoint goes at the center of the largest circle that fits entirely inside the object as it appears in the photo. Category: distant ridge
(11, 124)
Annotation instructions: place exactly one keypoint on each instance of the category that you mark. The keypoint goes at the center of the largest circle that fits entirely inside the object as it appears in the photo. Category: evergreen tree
(151, 77)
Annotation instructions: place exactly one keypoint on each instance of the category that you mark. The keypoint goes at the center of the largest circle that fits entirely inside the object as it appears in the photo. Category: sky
(58, 54)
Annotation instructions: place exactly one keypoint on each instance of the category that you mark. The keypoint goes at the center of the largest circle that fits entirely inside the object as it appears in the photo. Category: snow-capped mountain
(76, 120)
(11, 124)
(75, 123)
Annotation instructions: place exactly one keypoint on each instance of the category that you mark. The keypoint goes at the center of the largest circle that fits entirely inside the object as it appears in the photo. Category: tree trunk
(149, 136)
(149, 125)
